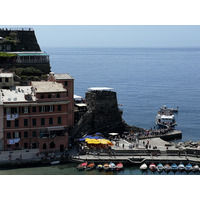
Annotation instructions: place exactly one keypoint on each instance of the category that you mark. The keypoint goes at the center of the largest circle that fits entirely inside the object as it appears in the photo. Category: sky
(116, 35)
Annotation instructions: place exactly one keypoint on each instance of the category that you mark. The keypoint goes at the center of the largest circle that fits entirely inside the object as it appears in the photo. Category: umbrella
(113, 134)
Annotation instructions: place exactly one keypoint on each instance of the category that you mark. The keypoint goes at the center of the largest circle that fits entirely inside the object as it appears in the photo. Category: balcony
(12, 117)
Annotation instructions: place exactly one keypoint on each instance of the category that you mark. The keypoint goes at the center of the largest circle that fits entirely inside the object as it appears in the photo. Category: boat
(119, 166)
(195, 168)
(181, 167)
(165, 119)
(112, 166)
(174, 167)
(143, 167)
(152, 167)
(82, 166)
(99, 167)
(106, 166)
(167, 168)
(90, 166)
(188, 167)
(159, 167)
(55, 162)
(165, 108)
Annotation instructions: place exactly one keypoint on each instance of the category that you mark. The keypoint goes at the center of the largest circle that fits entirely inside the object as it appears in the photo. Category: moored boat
(195, 168)
(106, 166)
(56, 162)
(90, 166)
(167, 168)
(174, 167)
(159, 167)
(119, 166)
(99, 167)
(143, 167)
(181, 167)
(188, 167)
(152, 167)
(82, 166)
(112, 166)
(165, 108)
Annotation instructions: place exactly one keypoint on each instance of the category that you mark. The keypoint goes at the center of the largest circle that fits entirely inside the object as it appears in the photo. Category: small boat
(112, 166)
(82, 166)
(99, 167)
(160, 167)
(165, 108)
(143, 167)
(174, 167)
(119, 166)
(195, 168)
(55, 162)
(152, 167)
(188, 167)
(167, 168)
(181, 167)
(106, 166)
(90, 166)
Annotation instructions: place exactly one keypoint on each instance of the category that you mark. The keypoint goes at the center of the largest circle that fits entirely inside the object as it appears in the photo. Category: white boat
(165, 119)
(112, 166)
(195, 168)
(143, 167)
(160, 167)
(55, 162)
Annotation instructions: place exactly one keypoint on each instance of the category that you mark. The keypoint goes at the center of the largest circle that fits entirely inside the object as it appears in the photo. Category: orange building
(36, 116)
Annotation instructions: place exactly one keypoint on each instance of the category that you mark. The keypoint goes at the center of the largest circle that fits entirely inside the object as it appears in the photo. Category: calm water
(144, 80)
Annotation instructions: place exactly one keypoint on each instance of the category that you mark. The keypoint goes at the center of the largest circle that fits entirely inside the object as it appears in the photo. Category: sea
(144, 78)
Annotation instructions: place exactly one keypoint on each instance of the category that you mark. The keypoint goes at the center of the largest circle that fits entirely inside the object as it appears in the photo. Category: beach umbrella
(113, 134)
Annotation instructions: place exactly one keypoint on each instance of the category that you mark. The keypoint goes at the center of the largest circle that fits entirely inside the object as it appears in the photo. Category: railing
(16, 29)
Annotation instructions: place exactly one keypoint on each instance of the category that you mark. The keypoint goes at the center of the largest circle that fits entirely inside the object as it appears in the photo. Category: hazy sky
(116, 36)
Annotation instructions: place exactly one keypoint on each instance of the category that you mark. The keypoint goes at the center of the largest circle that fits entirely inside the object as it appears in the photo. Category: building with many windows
(36, 116)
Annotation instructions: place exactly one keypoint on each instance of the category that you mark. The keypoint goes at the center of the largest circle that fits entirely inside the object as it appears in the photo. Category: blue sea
(144, 79)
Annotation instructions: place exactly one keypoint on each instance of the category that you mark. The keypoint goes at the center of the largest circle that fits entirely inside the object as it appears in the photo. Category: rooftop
(16, 94)
(63, 76)
(100, 89)
(47, 86)
(30, 53)
(6, 75)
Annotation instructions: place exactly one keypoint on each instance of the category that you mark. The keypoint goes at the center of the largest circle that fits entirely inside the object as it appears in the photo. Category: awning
(113, 134)
(56, 128)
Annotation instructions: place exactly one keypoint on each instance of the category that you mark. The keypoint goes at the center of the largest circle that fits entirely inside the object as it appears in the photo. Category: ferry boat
(165, 108)
(165, 119)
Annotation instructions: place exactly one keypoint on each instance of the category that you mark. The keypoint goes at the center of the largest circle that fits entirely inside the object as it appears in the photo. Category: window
(50, 120)
(25, 122)
(34, 122)
(16, 123)
(8, 124)
(42, 108)
(34, 109)
(8, 135)
(52, 145)
(58, 95)
(0, 79)
(6, 80)
(25, 109)
(25, 134)
(42, 121)
(34, 134)
(67, 93)
(59, 120)
(51, 108)
(42, 96)
(49, 96)
(59, 107)
(66, 83)
(25, 145)
(16, 135)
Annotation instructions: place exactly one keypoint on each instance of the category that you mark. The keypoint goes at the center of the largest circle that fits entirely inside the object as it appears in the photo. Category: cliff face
(18, 40)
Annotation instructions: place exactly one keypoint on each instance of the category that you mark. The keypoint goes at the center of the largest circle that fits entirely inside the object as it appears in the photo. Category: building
(36, 116)
(8, 80)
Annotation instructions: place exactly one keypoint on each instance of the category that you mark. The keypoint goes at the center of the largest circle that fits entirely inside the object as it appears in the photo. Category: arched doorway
(44, 146)
(52, 145)
(61, 148)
